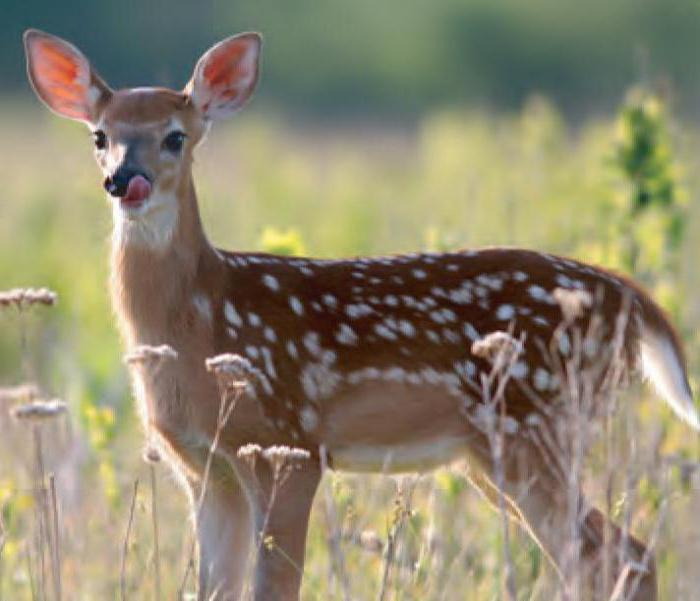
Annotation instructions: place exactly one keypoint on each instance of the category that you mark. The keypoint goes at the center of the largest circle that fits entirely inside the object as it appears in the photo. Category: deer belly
(394, 428)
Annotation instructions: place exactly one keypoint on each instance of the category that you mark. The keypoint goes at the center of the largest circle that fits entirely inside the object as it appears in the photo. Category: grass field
(454, 179)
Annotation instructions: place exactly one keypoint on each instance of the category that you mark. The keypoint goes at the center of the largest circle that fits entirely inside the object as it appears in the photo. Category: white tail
(663, 366)
(368, 363)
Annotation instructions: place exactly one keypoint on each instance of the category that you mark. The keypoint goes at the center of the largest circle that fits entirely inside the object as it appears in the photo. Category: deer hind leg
(281, 503)
(571, 534)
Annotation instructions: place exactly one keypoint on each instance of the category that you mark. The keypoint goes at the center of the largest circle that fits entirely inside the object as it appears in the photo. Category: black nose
(118, 183)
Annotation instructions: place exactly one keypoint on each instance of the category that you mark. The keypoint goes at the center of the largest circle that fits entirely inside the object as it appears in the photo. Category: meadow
(620, 190)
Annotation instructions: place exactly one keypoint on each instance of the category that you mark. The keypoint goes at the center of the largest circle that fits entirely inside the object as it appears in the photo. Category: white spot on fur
(296, 305)
(505, 312)
(519, 370)
(384, 332)
(312, 342)
(432, 336)
(254, 319)
(539, 293)
(330, 301)
(203, 306)
(319, 381)
(308, 418)
(406, 328)
(541, 379)
(564, 343)
(271, 282)
(358, 310)
(470, 332)
(270, 335)
(269, 365)
(346, 335)
(232, 315)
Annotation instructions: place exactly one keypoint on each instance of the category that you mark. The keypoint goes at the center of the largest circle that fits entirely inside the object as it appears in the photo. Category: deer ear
(225, 76)
(62, 77)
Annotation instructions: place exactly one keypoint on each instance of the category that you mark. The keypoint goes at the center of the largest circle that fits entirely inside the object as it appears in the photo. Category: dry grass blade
(156, 537)
(56, 555)
(334, 533)
(125, 546)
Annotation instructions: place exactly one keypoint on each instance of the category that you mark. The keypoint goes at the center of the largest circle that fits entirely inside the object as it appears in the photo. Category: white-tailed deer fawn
(391, 363)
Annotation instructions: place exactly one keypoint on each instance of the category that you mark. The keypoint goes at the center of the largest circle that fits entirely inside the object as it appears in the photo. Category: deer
(367, 364)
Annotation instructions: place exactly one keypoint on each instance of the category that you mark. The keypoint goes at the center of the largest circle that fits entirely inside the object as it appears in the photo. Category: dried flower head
(231, 371)
(499, 346)
(151, 454)
(370, 541)
(39, 410)
(573, 303)
(21, 392)
(145, 354)
(22, 298)
(279, 455)
(249, 453)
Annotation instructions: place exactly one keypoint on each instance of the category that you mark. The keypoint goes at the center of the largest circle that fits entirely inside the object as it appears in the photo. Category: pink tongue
(138, 189)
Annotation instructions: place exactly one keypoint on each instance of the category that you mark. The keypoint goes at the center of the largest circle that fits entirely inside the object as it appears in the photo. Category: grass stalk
(125, 545)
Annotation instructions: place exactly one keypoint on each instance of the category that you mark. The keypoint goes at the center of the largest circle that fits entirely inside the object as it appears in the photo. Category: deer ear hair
(62, 77)
(225, 77)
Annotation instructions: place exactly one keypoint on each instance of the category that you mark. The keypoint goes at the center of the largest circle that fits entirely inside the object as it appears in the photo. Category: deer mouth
(137, 192)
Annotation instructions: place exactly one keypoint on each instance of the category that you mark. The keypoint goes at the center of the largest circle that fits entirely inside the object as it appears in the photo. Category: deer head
(144, 137)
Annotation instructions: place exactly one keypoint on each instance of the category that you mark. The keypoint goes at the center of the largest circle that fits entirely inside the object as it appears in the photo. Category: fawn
(396, 363)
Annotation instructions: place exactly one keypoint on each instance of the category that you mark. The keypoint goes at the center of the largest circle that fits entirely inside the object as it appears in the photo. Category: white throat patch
(151, 225)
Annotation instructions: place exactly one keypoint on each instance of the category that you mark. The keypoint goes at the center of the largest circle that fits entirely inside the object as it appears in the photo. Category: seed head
(279, 455)
(39, 410)
(230, 370)
(499, 346)
(573, 303)
(22, 298)
(147, 354)
(370, 541)
(249, 453)
(151, 454)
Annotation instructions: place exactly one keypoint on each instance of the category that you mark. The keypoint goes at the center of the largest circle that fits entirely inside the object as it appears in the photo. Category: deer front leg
(281, 498)
(224, 524)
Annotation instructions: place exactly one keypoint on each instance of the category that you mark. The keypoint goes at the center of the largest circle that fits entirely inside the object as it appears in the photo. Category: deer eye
(100, 139)
(173, 141)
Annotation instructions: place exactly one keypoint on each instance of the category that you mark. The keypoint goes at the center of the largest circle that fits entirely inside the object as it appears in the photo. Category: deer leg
(224, 532)
(579, 540)
(281, 500)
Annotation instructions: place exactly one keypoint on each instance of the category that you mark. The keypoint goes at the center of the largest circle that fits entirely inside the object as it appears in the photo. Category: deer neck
(155, 262)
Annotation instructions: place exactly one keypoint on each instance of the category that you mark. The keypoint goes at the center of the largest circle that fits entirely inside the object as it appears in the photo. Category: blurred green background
(394, 58)
(378, 127)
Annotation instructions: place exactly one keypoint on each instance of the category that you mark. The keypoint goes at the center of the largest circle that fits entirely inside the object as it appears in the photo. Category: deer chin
(149, 223)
